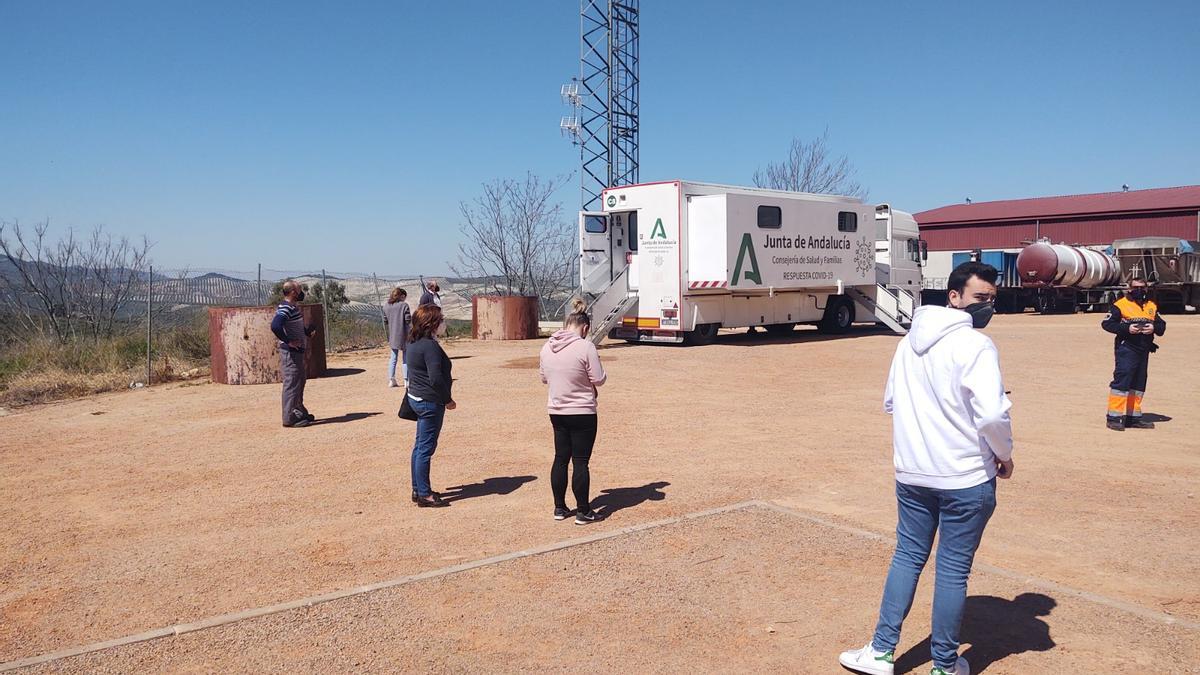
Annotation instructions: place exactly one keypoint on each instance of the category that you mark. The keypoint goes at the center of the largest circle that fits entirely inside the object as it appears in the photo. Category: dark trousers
(291, 366)
(574, 436)
(1128, 385)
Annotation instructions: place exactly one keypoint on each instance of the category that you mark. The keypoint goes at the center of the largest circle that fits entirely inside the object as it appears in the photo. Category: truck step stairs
(893, 307)
(611, 306)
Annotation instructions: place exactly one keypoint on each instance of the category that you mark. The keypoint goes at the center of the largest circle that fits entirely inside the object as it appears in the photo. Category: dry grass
(38, 369)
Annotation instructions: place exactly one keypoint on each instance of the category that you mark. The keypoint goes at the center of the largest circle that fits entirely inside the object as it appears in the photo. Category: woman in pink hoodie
(571, 366)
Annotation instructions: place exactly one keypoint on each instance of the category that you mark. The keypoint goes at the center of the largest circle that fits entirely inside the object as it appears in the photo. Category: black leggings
(574, 436)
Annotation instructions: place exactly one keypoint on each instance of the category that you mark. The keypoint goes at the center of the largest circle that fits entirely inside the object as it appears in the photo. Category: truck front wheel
(703, 334)
(839, 316)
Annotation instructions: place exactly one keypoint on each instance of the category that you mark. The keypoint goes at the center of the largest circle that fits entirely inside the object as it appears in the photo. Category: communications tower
(604, 98)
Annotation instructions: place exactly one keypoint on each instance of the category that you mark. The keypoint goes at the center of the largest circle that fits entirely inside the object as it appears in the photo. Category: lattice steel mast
(605, 98)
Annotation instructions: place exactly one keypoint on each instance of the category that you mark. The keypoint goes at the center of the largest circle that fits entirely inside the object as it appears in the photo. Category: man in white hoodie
(951, 438)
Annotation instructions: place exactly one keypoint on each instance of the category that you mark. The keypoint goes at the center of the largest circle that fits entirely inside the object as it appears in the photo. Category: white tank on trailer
(1046, 264)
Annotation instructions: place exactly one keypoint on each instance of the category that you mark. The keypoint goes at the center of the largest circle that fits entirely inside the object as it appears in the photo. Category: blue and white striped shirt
(288, 326)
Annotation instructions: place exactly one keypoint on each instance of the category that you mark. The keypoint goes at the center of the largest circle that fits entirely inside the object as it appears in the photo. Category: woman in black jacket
(429, 394)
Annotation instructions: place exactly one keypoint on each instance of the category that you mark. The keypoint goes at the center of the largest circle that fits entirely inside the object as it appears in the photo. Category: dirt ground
(128, 512)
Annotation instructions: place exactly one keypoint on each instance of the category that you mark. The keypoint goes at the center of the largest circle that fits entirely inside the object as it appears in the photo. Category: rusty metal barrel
(504, 317)
(243, 350)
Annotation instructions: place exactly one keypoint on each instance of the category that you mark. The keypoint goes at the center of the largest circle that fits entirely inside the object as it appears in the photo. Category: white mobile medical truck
(676, 261)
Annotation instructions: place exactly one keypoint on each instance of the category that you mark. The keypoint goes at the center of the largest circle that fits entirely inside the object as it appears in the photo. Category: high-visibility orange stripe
(647, 323)
(1135, 405)
(1117, 404)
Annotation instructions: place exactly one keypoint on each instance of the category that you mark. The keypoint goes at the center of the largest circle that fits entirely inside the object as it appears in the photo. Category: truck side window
(847, 221)
(633, 233)
(770, 217)
(594, 224)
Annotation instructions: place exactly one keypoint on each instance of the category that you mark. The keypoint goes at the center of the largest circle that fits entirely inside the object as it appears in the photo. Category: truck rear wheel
(703, 334)
(839, 316)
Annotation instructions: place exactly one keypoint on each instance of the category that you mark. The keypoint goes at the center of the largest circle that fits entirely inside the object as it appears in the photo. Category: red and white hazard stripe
(709, 284)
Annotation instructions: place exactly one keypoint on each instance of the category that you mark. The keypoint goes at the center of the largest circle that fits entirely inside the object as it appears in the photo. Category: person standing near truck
(951, 439)
(570, 365)
(1134, 320)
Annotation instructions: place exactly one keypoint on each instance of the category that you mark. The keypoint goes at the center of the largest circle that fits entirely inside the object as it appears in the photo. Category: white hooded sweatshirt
(949, 413)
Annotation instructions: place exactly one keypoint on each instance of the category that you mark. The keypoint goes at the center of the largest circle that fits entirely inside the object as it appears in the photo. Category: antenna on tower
(604, 99)
(569, 125)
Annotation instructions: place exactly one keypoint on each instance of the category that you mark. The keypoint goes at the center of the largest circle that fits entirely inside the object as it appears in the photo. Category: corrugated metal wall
(1085, 231)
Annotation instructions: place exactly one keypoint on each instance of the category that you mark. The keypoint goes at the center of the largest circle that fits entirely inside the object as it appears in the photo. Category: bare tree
(73, 288)
(809, 168)
(516, 239)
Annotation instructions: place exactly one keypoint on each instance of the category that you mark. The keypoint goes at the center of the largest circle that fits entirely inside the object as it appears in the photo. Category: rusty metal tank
(504, 317)
(1046, 264)
(243, 350)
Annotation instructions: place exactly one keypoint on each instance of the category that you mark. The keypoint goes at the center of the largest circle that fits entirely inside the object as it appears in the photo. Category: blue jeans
(961, 516)
(397, 354)
(429, 427)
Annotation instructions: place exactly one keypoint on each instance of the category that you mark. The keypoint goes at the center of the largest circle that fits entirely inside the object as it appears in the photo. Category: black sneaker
(310, 417)
(1138, 423)
(561, 513)
(432, 500)
(415, 498)
(582, 518)
(1116, 424)
(300, 423)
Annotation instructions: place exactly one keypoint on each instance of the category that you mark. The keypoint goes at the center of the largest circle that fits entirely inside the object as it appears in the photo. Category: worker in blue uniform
(1135, 320)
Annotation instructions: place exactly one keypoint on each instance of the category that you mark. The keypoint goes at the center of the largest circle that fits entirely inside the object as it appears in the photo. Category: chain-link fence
(353, 301)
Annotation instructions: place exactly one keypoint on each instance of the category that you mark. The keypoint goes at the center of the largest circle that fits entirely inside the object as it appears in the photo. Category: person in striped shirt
(288, 326)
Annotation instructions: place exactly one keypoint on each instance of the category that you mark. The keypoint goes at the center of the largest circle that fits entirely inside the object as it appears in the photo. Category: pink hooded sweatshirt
(571, 366)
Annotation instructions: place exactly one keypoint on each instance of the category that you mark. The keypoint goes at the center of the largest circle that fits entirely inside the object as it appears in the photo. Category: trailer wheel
(839, 316)
(781, 328)
(704, 334)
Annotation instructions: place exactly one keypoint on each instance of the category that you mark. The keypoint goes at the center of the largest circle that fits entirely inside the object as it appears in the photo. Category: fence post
(149, 324)
(325, 308)
(379, 302)
(259, 286)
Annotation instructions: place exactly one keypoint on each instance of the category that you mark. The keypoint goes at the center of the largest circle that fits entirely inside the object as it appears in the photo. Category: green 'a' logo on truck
(658, 230)
(747, 248)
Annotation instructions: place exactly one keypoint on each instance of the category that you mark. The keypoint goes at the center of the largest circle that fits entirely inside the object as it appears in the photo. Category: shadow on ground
(797, 336)
(348, 417)
(996, 629)
(1155, 417)
(499, 485)
(612, 500)
(342, 372)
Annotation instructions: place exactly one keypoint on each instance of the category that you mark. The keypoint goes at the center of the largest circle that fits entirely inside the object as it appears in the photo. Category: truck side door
(595, 252)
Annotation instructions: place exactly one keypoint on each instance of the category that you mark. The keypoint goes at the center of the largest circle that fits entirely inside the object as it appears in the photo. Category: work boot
(1138, 423)
(1116, 424)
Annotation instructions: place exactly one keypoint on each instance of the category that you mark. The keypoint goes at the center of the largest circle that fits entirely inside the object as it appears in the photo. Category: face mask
(1138, 294)
(981, 313)
(300, 298)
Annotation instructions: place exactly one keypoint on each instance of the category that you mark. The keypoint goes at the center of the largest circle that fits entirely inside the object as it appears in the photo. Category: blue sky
(344, 135)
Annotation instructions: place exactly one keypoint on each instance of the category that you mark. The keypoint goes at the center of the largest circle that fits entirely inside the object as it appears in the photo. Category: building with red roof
(1085, 220)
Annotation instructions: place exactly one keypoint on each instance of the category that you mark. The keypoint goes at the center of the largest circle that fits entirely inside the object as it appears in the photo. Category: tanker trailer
(1172, 266)
(1064, 278)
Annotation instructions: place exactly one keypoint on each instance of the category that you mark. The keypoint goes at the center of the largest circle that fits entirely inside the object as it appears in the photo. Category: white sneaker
(392, 383)
(961, 667)
(867, 660)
